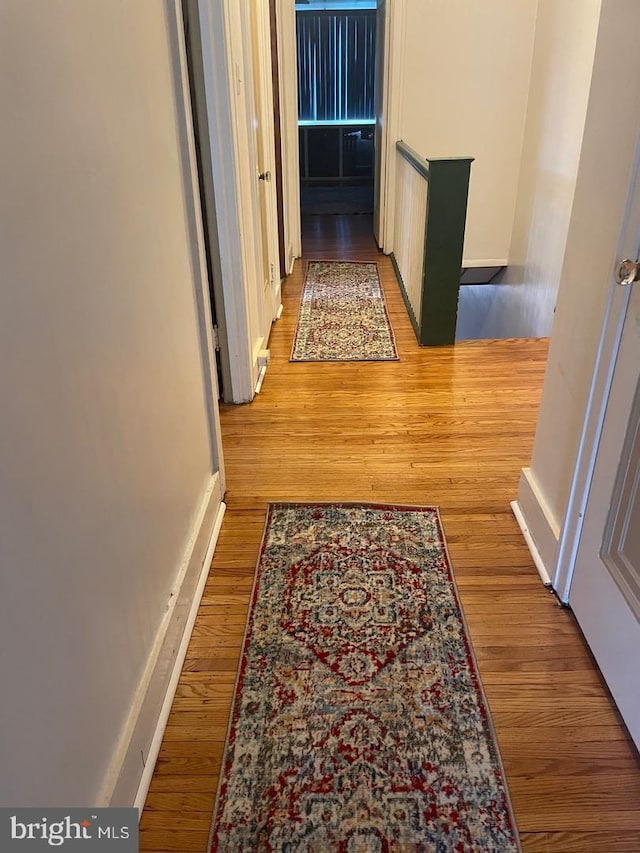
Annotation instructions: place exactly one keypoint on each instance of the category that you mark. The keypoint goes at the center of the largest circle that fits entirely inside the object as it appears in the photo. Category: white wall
(104, 437)
(466, 67)
(522, 304)
(603, 176)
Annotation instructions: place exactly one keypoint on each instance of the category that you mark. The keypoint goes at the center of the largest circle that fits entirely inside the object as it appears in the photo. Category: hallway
(452, 427)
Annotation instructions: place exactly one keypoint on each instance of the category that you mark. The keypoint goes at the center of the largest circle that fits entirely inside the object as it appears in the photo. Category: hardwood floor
(450, 426)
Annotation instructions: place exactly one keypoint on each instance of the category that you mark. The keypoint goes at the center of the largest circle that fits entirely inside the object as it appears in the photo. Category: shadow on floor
(347, 200)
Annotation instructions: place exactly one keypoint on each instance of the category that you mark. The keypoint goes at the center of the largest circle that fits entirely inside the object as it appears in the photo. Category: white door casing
(378, 176)
(389, 72)
(389, 120)
(288, 81)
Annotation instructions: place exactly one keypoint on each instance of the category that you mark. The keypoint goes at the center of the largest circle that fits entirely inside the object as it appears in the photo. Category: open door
(378, 181)
(605, 587)
(229, 46)
(260, 23)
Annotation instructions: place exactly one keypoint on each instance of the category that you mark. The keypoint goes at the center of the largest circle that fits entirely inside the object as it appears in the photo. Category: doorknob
(264, 176)
(628, 272)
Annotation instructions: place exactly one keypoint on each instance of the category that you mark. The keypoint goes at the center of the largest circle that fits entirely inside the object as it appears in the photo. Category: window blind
(336, 60)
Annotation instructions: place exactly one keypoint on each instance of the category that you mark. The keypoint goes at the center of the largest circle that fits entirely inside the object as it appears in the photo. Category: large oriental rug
(359, 723)
(343, 316)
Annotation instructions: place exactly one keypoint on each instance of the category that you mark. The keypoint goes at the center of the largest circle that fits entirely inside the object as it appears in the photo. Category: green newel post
(444, 239)
(448, 181)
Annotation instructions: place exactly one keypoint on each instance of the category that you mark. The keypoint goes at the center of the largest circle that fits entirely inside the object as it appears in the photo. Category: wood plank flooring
(450, 426)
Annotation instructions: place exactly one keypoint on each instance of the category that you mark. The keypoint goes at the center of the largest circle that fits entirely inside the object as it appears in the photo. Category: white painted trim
(220, 83)
(259, 347)
(196, 228)
(277, 300)
(378, 123)
(288, 81)
(261, 376)
(599, 391)
(535, 554)
(589, 444)
(196, 74)
(242, 37)
(537, 517)
(489, 262)
(395, 35)
(154, 748)
(128, 762)
(267, 202)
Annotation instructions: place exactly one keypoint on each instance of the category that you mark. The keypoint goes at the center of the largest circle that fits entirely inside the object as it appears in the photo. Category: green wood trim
(422, 164)
(418, 162)
(405, 296)
(444, 239)
(448, 180)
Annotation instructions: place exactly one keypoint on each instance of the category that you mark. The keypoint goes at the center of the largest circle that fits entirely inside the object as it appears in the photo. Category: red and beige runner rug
(343, 316)
(359, 723)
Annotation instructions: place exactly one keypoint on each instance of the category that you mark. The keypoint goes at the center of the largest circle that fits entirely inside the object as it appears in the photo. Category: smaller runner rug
(343, 316)
(359, 723)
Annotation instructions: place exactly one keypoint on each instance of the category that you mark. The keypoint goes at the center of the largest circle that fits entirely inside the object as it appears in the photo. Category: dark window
(336, 56)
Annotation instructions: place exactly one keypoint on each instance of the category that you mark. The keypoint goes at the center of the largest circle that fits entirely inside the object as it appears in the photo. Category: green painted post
(444, 239)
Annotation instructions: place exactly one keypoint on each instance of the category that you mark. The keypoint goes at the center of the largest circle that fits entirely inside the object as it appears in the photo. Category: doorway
(252, 178)
(336, 75)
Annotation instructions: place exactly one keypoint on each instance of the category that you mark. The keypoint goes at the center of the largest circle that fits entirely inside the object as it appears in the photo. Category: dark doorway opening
(336, 106)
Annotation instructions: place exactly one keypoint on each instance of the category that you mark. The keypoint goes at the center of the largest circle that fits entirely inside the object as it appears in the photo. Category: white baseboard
(261, 376)
(277, 300)
(537, 560)
(156, 742)
(472, 263)
(540, 529)
(132, 760)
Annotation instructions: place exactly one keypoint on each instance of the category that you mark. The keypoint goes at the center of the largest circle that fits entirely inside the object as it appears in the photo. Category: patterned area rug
(343, 316)
(359, 723)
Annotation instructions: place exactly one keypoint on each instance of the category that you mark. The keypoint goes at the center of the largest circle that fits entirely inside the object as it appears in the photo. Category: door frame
(392, 80)
(287, 57)
(600, 389)
(277, 124)
(391, 118)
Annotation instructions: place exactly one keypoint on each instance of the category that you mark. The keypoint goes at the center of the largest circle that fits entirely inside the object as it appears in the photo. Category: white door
(378, 178)
(605, 587)
(265, 149)
(220, 36)
(256, 259)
